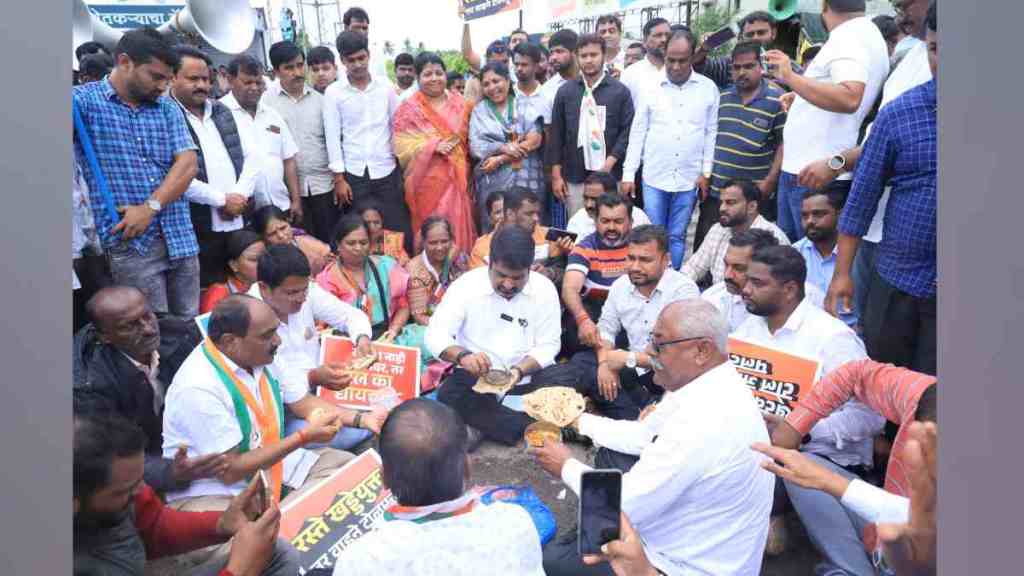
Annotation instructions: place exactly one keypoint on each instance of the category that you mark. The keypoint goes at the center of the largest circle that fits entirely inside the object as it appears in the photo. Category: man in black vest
(227, 176)
(123, 362)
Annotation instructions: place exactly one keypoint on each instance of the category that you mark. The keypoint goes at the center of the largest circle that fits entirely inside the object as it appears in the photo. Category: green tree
(710, 19)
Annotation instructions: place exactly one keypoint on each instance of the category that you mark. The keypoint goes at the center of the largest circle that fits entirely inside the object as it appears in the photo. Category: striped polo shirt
(601, 264)
(748, 135)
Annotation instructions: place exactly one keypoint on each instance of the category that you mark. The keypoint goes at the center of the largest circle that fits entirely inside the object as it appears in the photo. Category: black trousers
(320, 214)
(570, 332)
(389, 194)
(708, 218)
(636, 391)
(561, 555)
(483, 412)
(213, 246)
(899, 328)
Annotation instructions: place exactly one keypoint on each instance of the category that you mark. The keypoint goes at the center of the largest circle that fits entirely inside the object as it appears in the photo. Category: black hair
(98, 440)
(604, 179)
(519, 31)
(350, 42)
(750, 190)
(887, 26)
(515, 196)
(186, 51)
(498, 68)
(684, 35)
(649, 233)
(285, 51)
(758, 16)
(354, 13)
(610, 18)
(543, 50)
(281, 262)
(846, 6)
(493, 198)
(636, 45)
(262, 217)
(679, 28)
(928, 405)
(613, 200)
(91, 47)
(932, 19)
(652, 24)
(835, 192)
(565, 38)
(591, 39)
(423, 447)
(434, 220)
(245, 63)
(322, 55)
(366, 204)
(346, 225)
(239, 241)
(513, 247)
(784, 263)
(746, 47)
(230, 316)
(404, 59)
(753, 237)
(453, 76)
(529, 50)
(142, 45)
(424, 58)
(96, 65)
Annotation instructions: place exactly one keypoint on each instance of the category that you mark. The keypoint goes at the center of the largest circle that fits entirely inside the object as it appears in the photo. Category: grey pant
(834, 530)
(284, 561)
(170, 286)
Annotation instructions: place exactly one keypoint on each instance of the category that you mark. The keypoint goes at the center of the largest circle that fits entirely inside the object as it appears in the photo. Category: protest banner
(561, 8)
(339, 510)
(203, 321)
(475, 9)
(777, 379)
(396, 371)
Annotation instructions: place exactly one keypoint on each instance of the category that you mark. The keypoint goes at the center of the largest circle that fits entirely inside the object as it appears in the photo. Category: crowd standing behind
(489, 221)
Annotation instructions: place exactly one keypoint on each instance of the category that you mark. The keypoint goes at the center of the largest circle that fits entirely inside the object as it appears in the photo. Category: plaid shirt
(902, 152)
(135, 148)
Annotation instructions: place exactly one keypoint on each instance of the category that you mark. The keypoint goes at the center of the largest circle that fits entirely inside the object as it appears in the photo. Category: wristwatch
(631, 360)
(154, 205)
(837, 162)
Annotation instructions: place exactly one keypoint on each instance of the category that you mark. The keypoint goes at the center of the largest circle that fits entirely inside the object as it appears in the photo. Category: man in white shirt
(609, 27)
(322, 67)
(620, 381)
(727, 295)
(284, 283)
(833, 96)
(265, 128)
(584, 222)
(356, 19)
(651, 69)
(357, 125)
(673, 135)
(228, 169)
(697, 494)
(225, 399)
(441, 528)
(562, 61)
(499, 317)
(405, 76)
(739, 211)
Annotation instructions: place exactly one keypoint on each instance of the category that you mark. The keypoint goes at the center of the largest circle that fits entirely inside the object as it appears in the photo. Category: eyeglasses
(658, 346)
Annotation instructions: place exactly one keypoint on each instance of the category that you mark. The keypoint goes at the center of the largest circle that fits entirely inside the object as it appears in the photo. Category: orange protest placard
(396, 372)
(777, 379)
(325, 521)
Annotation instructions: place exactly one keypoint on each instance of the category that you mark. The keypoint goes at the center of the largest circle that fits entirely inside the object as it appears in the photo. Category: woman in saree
(505, 135)
(429, 137)
(244, 248)
(374, 284)
(383, 242)
(433, 269)
(271, 223)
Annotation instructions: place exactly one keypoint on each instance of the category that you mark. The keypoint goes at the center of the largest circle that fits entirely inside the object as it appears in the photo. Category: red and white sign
(396, 371)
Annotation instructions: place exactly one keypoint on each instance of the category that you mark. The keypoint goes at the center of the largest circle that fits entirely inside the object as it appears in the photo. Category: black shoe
(571, 436)
(476, 438)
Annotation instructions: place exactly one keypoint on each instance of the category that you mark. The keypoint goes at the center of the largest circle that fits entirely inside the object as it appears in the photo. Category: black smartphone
(600, 509)
(556, 234)
(719, 37)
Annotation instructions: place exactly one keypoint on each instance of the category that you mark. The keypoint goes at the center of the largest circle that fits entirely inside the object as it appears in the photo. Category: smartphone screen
(600, 506)
(719, 37)
(556, 234)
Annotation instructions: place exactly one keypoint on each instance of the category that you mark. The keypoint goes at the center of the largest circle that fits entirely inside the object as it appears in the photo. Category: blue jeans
(673, 211)
(346, 438)
(170, 286)
(863, 266)
(790, 198)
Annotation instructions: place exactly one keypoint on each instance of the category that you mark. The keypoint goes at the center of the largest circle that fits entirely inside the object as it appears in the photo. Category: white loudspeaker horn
(227, 25)
(86, 26)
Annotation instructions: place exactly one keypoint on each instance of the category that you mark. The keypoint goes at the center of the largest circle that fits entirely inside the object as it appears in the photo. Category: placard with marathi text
(777, 379)
(397, 370)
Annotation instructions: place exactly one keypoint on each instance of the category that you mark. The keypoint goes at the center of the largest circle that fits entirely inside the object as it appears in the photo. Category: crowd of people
(532, 217)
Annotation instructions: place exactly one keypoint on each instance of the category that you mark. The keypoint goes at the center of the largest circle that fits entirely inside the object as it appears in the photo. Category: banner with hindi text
(777, 379)
(336, 512)
(395, 371)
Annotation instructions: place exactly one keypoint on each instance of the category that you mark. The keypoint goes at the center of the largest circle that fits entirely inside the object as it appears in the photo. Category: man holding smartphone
(697, 494)
(759, 27)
